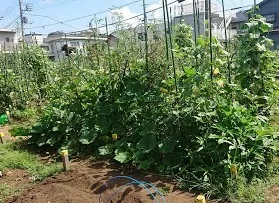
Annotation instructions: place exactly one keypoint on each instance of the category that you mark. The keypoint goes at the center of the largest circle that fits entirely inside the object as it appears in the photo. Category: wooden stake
(65, 160)
(1, 138)
(200, 199)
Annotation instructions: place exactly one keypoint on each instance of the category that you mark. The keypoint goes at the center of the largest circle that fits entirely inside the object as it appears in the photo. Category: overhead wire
(86, 16)
(13, 22)
(102, 26)
(54, 5)
(53, 20)
(8, 10)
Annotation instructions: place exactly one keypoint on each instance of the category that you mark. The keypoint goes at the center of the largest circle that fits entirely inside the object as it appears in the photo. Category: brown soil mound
(15, 178)
(85, 184)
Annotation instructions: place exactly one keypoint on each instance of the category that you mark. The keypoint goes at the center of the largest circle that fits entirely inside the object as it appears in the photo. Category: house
(38, 39)
(8, 40)
(34, 38)
(76, 40)
(184, 14)
(267, 8)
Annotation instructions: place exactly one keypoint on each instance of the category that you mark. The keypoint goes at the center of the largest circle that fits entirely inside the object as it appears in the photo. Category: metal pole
(166, 34)
(21, 19)
(255, 4)
(226, 39)
(210, 38)
(171, 45)
(145, 36)
(198, 18)
(195, 22)
(106, 20)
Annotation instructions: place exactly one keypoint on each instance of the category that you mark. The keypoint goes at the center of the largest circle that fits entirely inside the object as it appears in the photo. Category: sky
(46, 12)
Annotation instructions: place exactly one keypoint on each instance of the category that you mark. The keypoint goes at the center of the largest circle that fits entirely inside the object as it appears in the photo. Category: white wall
(34, 39)
(8, 41)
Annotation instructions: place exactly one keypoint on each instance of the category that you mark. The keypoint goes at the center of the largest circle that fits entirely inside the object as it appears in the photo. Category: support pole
(21, 20)
(210, 39)
(166, 33)
(226, 40)
(171, 45)
(145, 36)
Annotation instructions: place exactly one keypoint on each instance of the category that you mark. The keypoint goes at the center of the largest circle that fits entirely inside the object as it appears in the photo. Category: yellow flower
(234, 169)
(163, 90)
(216, 72)
(2, 134)
(7, 113)
(114, 136)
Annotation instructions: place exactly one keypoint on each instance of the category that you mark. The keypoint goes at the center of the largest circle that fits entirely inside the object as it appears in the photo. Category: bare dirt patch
(84, 183)
(273, 194)
(15, 178)
(5, 130)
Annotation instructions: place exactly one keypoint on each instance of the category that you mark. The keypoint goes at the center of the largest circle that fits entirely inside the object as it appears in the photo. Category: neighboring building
(34, 38)
(267, 8)
(8, 40)
(76, 40)
(39, 40)
(185, 14)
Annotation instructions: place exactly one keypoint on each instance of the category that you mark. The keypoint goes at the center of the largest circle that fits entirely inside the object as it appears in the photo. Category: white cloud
(124, 14)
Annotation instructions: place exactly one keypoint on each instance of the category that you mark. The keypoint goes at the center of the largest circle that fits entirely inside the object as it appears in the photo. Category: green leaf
(87, 137)
(167, 146)
(106, 150)
(41, 141)
(173, 159)
(145, 165)
(123, 157)
(55, 129)
(147, 142)
(51, 141)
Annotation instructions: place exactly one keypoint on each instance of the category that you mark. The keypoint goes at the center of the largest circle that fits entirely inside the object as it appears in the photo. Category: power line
(54, 5)
(54, 20)
(11, 23)
(8, 10)
(136, 16)
(86, 16)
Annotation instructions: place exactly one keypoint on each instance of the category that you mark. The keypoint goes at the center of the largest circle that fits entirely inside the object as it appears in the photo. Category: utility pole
(21, 19)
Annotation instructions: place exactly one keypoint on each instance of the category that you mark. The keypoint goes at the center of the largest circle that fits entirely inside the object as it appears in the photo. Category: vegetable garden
(203, 118)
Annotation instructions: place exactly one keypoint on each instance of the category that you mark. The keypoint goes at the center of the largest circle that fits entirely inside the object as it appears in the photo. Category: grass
(11, 157)
(5, 191)
(257, 190)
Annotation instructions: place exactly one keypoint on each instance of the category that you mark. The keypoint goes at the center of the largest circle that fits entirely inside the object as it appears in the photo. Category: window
(74, 44)
(7, 39)
(270, 18)
(51, 47)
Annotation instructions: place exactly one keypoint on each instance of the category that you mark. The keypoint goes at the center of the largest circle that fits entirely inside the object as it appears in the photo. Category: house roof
(6, 30)
(240, 17)
(33, 34)
(63, 38)
(263, 2)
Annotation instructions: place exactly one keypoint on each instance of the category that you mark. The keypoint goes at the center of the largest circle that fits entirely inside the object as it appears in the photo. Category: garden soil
(85, 183)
